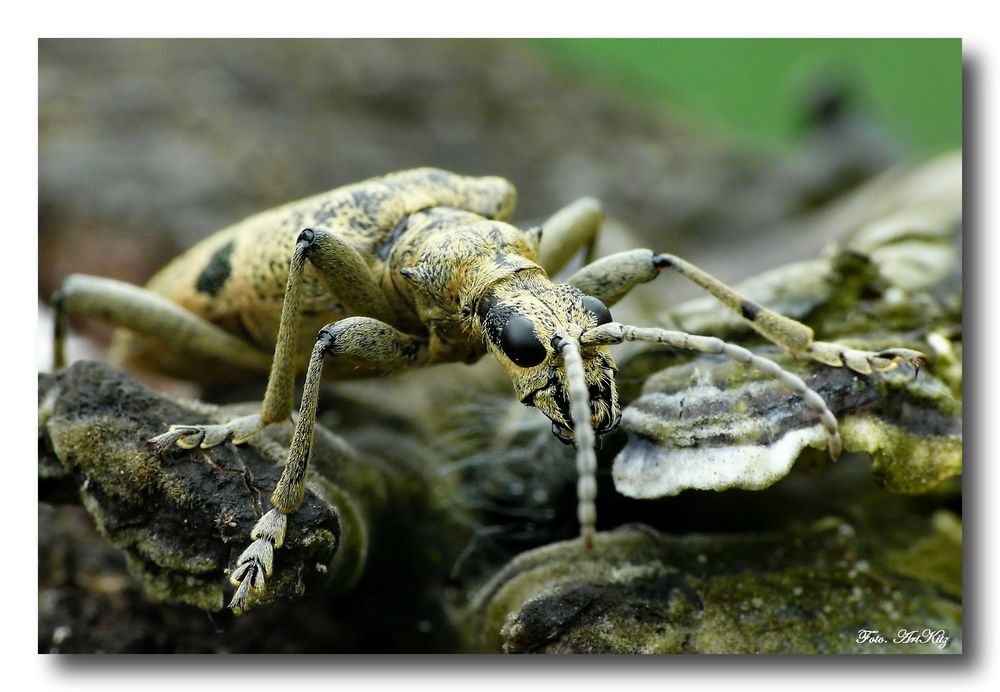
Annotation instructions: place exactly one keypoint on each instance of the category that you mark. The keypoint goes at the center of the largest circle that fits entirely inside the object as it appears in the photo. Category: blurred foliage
(756, 88)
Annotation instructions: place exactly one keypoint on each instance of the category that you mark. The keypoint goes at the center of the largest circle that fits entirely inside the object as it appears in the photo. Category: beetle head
(520, 320)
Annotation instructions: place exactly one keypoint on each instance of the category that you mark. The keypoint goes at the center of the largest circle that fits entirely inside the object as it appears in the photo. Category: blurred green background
(748, 87)
(699, 148)
(150, 144)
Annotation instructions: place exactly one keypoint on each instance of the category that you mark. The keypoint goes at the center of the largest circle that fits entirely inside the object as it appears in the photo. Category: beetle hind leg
(148, 314)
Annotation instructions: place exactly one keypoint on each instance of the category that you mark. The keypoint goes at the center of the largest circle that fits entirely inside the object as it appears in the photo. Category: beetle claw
(238, 430)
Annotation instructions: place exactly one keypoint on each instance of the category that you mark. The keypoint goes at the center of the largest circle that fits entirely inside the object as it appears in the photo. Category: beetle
(403, 271)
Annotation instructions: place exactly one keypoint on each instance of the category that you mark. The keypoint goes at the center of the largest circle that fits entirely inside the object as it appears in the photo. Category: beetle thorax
(442, 266)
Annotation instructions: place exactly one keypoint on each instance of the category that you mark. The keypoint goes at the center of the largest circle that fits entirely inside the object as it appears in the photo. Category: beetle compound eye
(519, 343)
(599, 309)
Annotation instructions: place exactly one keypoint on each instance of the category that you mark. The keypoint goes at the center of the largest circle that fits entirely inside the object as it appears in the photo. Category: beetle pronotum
(408, 270)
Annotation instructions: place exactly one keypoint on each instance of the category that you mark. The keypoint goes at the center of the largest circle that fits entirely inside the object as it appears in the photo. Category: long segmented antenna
(614, 333)
(583, 436)
(579, 398)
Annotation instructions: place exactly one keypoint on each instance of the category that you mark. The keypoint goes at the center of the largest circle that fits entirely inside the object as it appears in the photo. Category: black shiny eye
(599, 309)
(519, 343)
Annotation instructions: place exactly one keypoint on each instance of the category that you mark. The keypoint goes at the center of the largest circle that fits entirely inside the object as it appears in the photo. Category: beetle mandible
(408, 270)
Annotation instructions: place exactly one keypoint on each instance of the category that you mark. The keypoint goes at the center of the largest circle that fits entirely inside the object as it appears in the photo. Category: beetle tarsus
(461, 282)
(257, 562)
(238, 430)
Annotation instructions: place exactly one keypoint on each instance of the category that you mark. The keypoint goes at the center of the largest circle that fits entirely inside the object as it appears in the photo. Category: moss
(937, 558)
(165, 552)
(96, 450)
(903, 462)
(177, 586)
(806, 589)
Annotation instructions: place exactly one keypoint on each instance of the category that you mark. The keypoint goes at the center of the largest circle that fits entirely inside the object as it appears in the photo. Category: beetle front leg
(278, 398)
(381, 347)
(611, 278)
(341, 267)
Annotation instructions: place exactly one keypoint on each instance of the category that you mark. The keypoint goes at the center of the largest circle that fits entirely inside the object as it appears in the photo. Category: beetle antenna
(614, 333)
(583, 435)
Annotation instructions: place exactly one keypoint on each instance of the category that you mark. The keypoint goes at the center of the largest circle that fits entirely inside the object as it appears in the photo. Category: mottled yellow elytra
(408, 270)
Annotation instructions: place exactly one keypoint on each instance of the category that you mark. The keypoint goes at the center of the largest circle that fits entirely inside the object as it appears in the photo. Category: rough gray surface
(182, 517)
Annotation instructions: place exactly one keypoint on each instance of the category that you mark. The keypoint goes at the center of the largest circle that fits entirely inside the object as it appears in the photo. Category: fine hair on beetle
(409, 270)
(555, 379)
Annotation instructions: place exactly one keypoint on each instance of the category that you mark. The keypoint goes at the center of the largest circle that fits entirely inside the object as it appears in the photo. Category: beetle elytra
(408, 270)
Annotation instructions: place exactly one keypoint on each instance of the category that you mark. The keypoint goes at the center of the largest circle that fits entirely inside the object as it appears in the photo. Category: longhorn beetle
(408, 270)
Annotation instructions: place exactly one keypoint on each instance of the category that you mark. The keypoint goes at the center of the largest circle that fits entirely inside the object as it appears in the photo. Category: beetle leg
(238, 431)
(278, 398)
(346, 274)
(144, 312)
(792, 336)
(611, 278)
(340, 266)
(362, 339)
(569, 229)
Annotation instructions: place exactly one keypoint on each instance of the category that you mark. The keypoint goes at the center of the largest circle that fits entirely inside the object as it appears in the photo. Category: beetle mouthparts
(563, 434)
